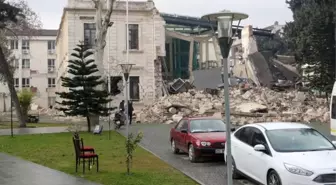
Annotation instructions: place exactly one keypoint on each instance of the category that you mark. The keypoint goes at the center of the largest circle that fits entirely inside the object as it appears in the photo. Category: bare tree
(15, 18)
(102, 25)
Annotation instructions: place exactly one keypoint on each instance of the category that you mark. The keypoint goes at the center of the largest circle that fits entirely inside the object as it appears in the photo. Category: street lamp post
(11, 115)
(126, 69)
(109, 91)
(224, 21)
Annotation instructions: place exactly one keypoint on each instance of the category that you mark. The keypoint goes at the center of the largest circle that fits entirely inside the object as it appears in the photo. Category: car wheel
(235, 172)
(191, 154)
(273, 178)
(173, 147)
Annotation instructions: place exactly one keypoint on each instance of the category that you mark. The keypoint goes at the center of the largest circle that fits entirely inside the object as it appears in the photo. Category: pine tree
(83, 98)
(311, 35)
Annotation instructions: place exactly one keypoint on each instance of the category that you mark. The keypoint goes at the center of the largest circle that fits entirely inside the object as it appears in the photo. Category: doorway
(134, 91)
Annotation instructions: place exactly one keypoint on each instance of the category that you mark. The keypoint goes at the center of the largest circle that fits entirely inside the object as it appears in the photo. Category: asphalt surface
(15, 171)
(156, 140)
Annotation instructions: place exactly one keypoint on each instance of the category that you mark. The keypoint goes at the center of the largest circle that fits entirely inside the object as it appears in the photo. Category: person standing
(122, 105)
(130, 111)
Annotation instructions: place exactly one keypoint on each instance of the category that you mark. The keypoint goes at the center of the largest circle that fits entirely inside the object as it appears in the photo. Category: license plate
(219, 151)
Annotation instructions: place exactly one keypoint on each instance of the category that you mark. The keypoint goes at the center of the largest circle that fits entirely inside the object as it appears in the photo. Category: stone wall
(151, 35)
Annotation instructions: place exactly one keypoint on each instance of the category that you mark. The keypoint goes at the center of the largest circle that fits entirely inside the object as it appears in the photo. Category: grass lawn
(7, 125)
(56, 151)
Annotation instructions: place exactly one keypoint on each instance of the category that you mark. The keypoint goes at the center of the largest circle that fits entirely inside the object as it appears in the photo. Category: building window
(51, 82)
(15, 63)
(25, 45)
(25, 63)
(51, 64)
(51, 44)
(13, 44)
(51, 101)
(90, 34)
(134, 88)
(25, 82)
(133, 38)
(16, 82)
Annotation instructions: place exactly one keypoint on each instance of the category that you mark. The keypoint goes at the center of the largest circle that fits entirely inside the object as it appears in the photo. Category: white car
(283, 154)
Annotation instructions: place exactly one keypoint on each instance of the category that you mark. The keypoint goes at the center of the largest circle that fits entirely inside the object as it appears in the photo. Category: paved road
(15, 171)
(156, 140)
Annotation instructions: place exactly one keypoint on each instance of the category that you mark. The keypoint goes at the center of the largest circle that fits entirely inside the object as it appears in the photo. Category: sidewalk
(47, 130)
(25, 131)
(15, 171)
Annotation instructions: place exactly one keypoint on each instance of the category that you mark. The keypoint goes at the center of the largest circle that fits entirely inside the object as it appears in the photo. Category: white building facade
(146, 43)
(35, 62)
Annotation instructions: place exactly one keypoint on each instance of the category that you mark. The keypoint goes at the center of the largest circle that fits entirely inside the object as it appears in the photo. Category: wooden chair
(84, 156)
(84, 148)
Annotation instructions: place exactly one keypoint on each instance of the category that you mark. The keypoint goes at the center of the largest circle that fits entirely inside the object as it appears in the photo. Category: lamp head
(224, 21)
(126, 69)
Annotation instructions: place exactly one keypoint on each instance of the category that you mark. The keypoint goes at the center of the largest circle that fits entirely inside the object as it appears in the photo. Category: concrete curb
(184, 172)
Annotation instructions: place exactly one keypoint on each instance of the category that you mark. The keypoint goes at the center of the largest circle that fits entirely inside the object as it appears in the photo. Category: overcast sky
(262, 12)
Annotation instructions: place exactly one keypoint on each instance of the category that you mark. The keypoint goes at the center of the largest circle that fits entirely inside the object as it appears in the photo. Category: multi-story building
(35, 61)
(146, 43)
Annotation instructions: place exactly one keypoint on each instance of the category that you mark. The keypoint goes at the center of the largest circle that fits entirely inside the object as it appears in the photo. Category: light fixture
(224, 20)
(126, 69)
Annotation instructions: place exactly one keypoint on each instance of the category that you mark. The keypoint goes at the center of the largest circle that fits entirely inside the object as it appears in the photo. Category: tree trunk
(99, 57)
(10, 82)
(102, 25)
(88, 123)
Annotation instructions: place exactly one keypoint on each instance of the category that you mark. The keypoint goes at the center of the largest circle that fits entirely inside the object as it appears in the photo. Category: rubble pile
(58, 116)
(246, 106)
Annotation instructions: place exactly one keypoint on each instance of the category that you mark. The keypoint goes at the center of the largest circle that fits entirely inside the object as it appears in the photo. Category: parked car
(283, 154)
(199, 137)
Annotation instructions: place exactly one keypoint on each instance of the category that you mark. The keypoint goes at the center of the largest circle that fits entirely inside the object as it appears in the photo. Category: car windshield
(204, 125)
(298, 140)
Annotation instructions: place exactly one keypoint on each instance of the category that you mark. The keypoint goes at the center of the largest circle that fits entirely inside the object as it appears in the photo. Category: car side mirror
(184, 131)
(259, 148)
(334, 142)
(233, 129)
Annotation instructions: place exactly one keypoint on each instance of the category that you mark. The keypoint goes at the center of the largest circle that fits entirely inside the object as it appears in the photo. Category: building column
(201, 54)
(207, 50)
(191, 60)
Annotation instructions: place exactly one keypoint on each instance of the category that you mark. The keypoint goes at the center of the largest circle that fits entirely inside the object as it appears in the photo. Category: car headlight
(297, 170)
(205, 143)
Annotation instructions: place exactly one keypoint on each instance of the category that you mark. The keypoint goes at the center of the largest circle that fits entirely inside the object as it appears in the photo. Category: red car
(199, 137)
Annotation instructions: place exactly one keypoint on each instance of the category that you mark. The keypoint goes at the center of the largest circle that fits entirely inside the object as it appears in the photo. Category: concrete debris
(247, 105)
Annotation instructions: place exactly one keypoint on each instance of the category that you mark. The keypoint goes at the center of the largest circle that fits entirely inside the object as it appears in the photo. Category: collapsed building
(263, 86)
(192, 53)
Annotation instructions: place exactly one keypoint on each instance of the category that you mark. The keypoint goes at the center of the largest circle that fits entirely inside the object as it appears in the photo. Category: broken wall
(261, 69)
(245, 68)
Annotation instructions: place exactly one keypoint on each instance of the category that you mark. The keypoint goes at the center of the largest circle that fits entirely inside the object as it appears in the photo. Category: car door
(184, 136)
(259, 159)
(177, 133)
(241, 149)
